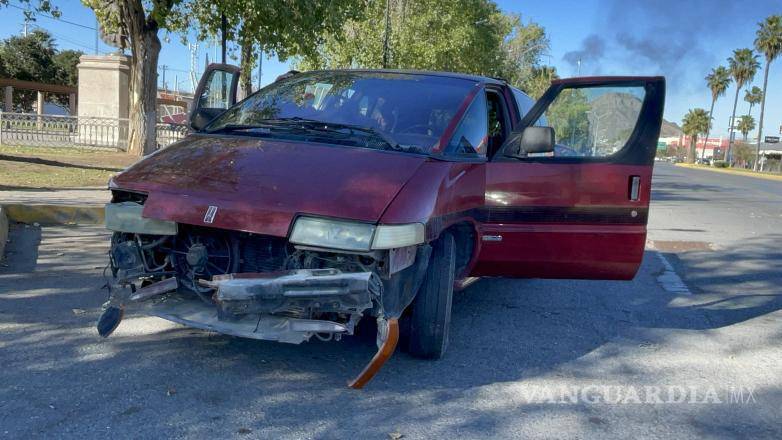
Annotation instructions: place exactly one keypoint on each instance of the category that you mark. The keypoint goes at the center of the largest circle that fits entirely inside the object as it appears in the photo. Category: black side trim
(603, 215)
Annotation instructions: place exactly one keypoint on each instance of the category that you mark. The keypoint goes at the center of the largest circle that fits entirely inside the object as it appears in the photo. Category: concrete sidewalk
(55, 206)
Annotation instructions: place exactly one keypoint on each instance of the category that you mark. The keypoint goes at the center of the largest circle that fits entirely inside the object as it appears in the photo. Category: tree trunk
(762, 110)
(693, 143)
(708, 130)
(145, 49)
(247, 63)
(732, 123)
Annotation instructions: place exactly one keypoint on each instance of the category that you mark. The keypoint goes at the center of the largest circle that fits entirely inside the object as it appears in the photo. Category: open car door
(215, 93)
(567, 195)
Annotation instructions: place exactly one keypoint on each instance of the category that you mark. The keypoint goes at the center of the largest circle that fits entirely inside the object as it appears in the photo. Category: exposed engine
(196, 255)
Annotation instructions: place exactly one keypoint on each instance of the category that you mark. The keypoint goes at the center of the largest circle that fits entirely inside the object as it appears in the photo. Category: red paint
(563, 250)
(260, 185)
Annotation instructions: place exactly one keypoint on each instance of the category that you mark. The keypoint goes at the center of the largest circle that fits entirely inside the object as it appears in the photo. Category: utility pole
(223, 27)
(386, 33)
(97, 30)
(164, 67)
(260, 68)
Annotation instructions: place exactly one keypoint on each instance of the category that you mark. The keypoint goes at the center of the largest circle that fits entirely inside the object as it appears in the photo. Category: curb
(54, 214)
(733, 171)
(3, 232)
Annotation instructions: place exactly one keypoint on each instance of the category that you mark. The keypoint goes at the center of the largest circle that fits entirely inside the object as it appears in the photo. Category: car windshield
(408, 112)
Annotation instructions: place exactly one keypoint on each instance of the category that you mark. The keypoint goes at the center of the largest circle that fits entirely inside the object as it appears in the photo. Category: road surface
(528, 358)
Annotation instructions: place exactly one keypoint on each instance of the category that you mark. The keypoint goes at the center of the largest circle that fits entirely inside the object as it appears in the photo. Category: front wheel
(430, 319)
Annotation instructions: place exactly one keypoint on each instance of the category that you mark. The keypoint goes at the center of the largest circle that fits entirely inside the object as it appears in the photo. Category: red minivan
(329, 196)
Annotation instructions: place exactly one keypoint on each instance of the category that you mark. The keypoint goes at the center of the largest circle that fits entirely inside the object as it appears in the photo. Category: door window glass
(216, 91)
(471, 136)
(593, 122)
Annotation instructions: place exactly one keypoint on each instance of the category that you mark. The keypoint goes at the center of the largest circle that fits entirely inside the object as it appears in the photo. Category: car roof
(465, 76)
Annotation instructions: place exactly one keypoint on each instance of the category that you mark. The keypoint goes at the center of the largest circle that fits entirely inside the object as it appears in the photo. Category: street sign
(772, 139)
(661, 145)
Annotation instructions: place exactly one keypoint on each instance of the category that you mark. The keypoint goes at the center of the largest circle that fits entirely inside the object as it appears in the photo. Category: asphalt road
(701, 320)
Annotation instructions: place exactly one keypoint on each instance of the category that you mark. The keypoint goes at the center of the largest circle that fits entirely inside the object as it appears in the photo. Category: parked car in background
(330, 197)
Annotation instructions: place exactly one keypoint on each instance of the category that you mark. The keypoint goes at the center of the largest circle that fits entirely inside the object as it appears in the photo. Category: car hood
(260, 185)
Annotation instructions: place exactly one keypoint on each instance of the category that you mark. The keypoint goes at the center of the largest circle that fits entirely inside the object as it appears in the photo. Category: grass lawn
(48, 167)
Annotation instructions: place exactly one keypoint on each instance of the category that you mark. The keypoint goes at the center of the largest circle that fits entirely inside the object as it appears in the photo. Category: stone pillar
(104, 92)
(104, 86)
(9, 99)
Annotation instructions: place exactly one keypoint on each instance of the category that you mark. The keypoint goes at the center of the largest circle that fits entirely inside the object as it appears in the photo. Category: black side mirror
(216, 92)
(536, 140)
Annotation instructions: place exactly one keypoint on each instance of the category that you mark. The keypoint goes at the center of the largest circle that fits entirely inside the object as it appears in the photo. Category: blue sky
(682, 40)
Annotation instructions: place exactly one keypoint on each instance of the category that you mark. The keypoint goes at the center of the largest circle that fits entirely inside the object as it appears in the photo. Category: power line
(45, 15)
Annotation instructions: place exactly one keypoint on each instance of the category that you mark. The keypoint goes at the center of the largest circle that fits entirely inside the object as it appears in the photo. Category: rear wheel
(430, 318)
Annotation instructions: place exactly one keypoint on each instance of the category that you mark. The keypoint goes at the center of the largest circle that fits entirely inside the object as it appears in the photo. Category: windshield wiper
(331, 127)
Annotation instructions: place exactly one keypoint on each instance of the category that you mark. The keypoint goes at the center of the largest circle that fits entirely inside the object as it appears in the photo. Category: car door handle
(635, 188)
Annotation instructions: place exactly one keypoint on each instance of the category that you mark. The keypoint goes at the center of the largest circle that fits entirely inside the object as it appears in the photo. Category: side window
(593, 122)
(525, 104)
(216, 92)
(471, 136)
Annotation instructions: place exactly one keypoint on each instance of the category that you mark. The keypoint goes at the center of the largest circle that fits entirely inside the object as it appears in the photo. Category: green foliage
(718, 81)
(696, 122)
(469, 36)
(743, 153)
(32, 7)
(539, 79)
(745, 125)
(284, 28)
(743, 66)
(753, 96)
(568, 115)
(35, 58)
(720, 164)
(768, 39)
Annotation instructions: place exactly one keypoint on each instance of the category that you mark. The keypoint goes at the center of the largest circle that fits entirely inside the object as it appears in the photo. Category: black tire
(430, 318)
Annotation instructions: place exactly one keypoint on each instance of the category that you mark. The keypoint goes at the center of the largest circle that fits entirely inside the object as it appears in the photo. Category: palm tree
(695, 122)
(745, 125)
(753, 96)
(769, 43)
(743, 65)
(718, 81)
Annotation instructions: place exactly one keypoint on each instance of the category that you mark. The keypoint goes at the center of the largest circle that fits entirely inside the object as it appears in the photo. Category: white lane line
(670, 280)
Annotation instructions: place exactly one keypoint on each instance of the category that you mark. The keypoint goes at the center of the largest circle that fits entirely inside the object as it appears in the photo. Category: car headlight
(354, 236)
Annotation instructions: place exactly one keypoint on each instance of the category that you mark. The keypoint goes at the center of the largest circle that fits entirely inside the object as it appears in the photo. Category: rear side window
(525, 104)
(471, 136)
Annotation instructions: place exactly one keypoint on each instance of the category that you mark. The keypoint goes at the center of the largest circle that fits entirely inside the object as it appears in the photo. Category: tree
(282, 27)
(743, 153)
(66, 63)
(753, 96)
(718, 81)
(695, 122)
(35, 58)
(743, 65)
(469, 36)
(745, 125)
(768, 41)
(539, 79)
(140, 22)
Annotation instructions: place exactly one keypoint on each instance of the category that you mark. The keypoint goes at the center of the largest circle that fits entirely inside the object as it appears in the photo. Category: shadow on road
(503, 330)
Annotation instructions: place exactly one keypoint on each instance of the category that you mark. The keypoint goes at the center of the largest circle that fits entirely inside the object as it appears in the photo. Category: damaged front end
(255, 286)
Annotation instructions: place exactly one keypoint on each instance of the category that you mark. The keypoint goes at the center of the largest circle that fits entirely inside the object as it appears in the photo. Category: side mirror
(536, 140)
(216, 92)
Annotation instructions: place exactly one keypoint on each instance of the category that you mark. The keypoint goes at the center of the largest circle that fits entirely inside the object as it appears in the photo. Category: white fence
(26, 129)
